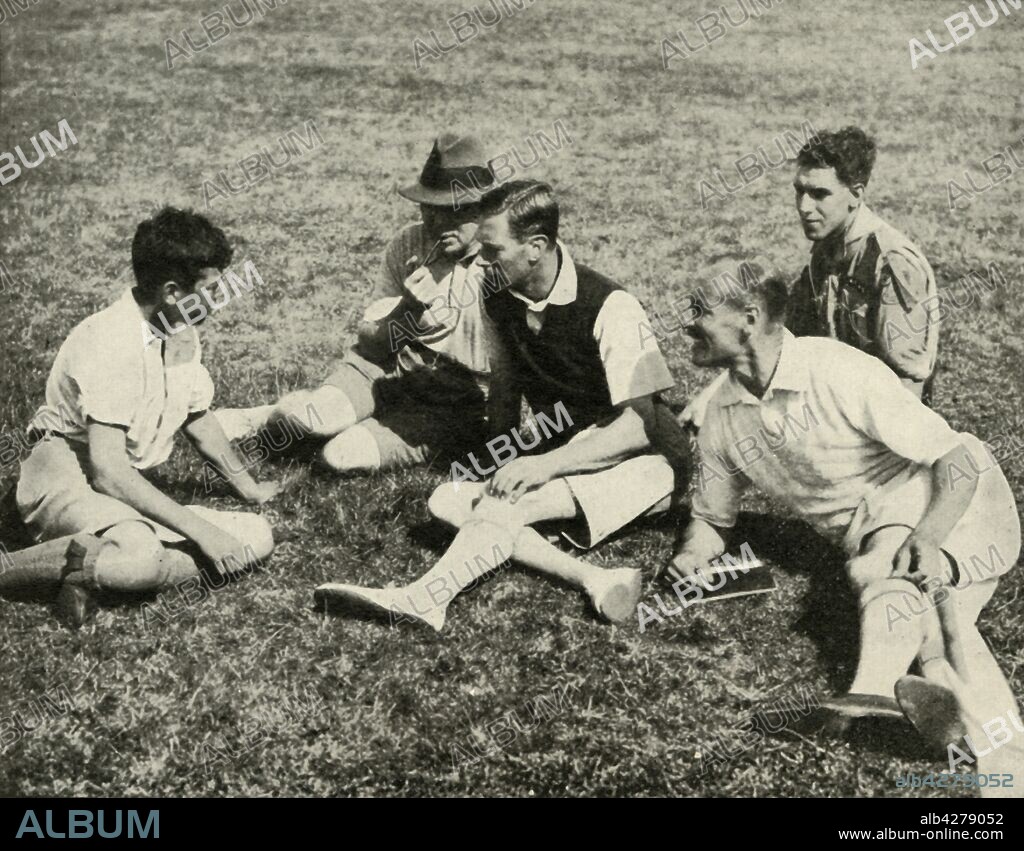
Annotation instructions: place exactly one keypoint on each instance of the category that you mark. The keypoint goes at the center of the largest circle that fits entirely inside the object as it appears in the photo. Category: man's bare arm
(209, 440)
(113, 475)
(951, 495)
(920, 556)
(380, 338)
(597, 449)
(628, 434)
(699, 543)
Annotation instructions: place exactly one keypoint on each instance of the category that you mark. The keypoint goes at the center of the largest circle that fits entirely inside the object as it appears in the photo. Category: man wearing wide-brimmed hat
(414, 385)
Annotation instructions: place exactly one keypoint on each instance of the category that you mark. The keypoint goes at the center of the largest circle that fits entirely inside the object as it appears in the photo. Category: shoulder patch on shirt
(903, 281)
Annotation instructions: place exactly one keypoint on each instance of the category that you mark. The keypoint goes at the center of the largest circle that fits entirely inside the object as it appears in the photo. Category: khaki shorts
(414, 415)
(55, 499)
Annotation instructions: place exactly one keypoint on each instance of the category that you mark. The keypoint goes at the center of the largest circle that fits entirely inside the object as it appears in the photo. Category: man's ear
(539, 243)
(857, 191)
(170, 292)
(751, 318)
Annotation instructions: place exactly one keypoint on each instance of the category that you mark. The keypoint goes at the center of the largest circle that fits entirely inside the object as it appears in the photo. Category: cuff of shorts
(599, 517)
(711, 520)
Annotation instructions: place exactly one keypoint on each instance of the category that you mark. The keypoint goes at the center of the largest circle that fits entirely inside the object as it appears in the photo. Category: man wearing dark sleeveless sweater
(573, 352)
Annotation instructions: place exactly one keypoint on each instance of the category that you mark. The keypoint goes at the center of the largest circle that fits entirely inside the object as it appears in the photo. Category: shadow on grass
(829, 614)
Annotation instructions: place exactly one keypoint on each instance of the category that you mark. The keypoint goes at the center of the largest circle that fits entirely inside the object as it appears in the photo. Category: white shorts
(611, 499)
(985, 543)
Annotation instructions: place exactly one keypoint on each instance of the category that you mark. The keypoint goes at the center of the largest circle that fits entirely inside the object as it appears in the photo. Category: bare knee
(354, 450)
(322, 412)
(257, 535)
(867, 569)
(252, 531)
(453, 504)
(871, 576)
(131, 559)
(292, 405)
(440, 505)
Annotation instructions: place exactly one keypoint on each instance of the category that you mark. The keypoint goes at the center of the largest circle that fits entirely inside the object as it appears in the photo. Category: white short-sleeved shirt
(106, 372)
(834, 437)
(631, 369)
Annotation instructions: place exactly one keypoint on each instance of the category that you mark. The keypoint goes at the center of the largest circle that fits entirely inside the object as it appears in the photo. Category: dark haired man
(833, 435)
(866, 283)
(115, 399)
(424, 348)
(570, 336)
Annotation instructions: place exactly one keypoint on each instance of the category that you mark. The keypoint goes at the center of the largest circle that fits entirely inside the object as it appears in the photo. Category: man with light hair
(834, 435)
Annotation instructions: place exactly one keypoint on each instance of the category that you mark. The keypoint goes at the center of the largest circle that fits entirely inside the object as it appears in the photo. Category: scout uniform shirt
(871, 288)
(454, 337)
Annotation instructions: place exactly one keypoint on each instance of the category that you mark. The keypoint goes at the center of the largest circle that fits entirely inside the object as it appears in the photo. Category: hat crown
(454, 151)
(456, 173)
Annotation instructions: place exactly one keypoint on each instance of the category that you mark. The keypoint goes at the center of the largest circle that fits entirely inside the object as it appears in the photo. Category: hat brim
(420, 194)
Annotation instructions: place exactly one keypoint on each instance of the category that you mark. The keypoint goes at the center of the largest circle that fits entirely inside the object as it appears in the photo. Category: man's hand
(699, 544)
(692, 415)
(419, 283)
(684, 565)
(261, 492)
(224, 550)
(920, 559)
(520, 476)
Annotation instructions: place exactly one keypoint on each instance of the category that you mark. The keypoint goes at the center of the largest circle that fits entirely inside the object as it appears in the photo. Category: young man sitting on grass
(575, 355)
(122, 393)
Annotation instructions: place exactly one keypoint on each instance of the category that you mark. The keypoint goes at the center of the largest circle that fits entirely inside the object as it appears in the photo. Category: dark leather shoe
(75, 605)
(933, 710)
(836, 716)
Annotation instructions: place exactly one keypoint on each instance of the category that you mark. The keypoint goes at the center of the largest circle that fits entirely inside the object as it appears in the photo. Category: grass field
(157, 706)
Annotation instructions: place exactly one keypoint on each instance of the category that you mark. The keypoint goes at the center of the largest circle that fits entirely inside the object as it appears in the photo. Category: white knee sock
(353, 449)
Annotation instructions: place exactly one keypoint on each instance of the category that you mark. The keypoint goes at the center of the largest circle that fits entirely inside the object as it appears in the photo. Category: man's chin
(453, 250)
(701, 359)
(706, 360)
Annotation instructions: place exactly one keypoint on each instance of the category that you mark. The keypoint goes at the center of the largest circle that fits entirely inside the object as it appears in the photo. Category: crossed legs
(351, 447)
(357, 439)
(326, 412)
(900, 624)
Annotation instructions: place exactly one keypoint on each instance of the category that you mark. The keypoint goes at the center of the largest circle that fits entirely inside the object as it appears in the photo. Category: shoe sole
(354, 600)
(933, 710)
(618, 604)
